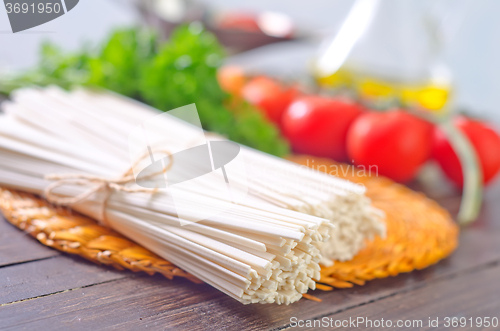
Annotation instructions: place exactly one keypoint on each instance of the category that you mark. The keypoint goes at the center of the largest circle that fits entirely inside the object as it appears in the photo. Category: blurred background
(406, 86)
(466, 30)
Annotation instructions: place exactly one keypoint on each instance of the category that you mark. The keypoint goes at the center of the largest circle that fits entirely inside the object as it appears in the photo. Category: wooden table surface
(43, 289)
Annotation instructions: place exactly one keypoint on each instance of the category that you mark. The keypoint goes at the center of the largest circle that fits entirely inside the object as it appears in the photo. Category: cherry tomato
(317, 125)
(395, 142)
(238, 21)
(486, 143)
(269, 96)
(231, 79)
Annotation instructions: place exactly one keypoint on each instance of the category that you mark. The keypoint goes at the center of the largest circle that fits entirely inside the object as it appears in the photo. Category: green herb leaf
(181, 71)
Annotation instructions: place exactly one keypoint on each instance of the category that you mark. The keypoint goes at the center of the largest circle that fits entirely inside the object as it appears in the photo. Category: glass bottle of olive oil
(388, 53)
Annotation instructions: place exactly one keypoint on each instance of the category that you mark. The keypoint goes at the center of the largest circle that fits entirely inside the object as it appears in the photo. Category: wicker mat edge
(419, 234)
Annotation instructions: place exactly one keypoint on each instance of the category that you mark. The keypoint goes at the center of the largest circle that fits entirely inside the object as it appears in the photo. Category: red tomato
(238, 21)
(317, 125)
(396, 142)
(269, 96)
(486, 143)
(231, 79)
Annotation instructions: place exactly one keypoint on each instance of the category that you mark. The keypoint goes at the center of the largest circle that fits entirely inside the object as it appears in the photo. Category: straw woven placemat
(72, 233)
(419, 233)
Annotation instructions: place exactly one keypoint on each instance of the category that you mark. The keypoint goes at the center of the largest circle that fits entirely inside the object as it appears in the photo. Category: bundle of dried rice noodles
(266, 248)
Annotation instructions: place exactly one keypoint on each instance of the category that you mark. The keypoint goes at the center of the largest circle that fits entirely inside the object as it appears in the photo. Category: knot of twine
(107, 185)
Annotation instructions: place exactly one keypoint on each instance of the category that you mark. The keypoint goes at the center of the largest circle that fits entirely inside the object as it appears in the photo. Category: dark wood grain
(471, 294)
(17, 246)
(39, 278)
(158, 303)
(140, 301)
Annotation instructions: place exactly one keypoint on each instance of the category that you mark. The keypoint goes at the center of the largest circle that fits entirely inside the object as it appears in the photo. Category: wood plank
(39, 278)
(258, 317)
(108, 304)
(158, 303)
(473, 294)
(154, 302)
(16, 246)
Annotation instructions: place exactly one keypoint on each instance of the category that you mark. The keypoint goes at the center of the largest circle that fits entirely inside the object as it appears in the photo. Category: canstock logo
(168, 153)
(26, 14)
